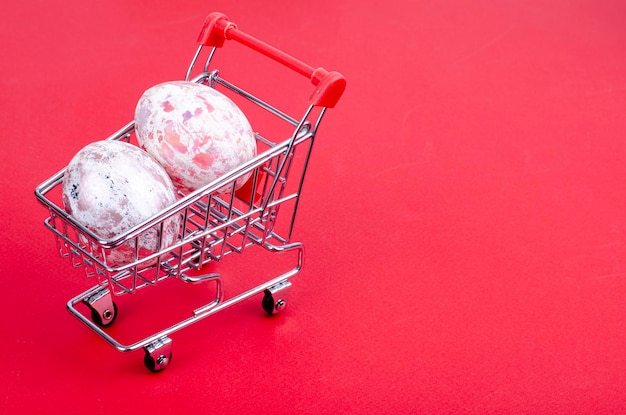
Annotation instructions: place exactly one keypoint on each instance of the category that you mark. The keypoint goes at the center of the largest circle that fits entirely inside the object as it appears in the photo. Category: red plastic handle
(329, 85)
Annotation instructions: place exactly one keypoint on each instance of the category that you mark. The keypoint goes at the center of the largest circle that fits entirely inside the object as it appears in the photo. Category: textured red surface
(463, 217)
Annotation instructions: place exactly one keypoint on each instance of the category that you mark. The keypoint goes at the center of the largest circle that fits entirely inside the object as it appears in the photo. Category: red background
(463, 215)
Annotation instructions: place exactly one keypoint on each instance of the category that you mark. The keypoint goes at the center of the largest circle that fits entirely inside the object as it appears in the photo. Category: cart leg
(275, 297)
(158, 354)
(103, 309)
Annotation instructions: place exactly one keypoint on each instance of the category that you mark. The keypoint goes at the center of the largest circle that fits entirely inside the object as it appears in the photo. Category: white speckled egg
(197, 133)
(112, 186)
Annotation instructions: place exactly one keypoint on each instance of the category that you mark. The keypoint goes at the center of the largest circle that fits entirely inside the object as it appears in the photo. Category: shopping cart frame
(213, 222)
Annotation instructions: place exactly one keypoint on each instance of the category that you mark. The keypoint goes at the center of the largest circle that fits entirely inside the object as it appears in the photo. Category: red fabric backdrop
(463, 215)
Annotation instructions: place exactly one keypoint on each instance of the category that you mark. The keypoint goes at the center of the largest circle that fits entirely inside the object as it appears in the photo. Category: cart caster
(158, 354)
(103, 308)
(275, 298)
(106, 317)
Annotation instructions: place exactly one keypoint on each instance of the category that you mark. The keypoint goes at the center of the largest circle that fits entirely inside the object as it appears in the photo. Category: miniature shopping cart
(214, 223)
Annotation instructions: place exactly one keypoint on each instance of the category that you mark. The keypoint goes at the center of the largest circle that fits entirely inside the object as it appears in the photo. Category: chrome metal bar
(199, 314)
(193, 62)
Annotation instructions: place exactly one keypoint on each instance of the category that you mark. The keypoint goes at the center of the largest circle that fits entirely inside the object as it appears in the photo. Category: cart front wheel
(156, 364)
(106, 317)
(158, 354)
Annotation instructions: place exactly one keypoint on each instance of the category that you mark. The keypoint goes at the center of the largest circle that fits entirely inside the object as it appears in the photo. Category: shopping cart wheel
(275, 298)
(157, 364)
(103, 308)
(158, 354)
(106, 317)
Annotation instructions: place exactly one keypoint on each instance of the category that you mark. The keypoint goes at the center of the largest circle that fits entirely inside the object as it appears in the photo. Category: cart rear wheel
(268, 303)
(273, 305)
(106, 318)
(275, 297)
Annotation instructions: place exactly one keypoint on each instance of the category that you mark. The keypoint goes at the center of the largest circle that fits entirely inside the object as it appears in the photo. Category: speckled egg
(112, 186)
(197, 133)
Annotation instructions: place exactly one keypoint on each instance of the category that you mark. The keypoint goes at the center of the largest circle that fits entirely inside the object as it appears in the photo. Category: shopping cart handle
(329, 85)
